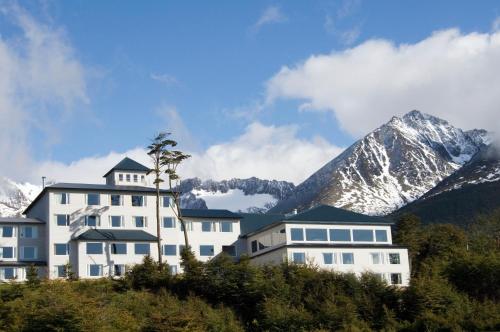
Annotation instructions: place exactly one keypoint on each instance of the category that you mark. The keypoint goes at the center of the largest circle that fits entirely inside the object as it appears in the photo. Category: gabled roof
(209, 213)
(251, 222)
(327, 213)
(87, 187)
(116, 235)
(128, 164)
(20, 220)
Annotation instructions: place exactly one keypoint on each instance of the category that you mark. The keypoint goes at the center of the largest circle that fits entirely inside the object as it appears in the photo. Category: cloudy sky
(255, 88)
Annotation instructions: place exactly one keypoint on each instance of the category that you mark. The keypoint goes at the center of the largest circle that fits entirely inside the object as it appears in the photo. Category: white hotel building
(100, 229)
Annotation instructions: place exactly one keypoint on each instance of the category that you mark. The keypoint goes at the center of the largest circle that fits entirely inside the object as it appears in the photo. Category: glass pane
(28, 232)
(62, 219)
(119, 248)
(226, 226)
(375, 258)
(340, 235)
(139, 222)
(94, 248)
(29, 252)
(347, 258)
(137, 200)
(206, 226)
(230, 250)
(396, 278)
(9, 273)
(362, 235)
(61, 248)
(116, 221)
(8, 252)
(61, 271)
(394, 258)
(142, 248)
(328, 258)
(297, 234)
(92, 199)
(166, 201)
(95, 270)
(299, 257)
(254, 246)
(7, 231)
(316, 234)
(92, 221)
(170, 250)
(168, 222)
(206, 250)
(119, 269)
(381, 235)
(116, 200)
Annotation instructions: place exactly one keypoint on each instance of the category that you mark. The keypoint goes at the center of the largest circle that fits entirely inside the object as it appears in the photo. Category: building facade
(98, 230)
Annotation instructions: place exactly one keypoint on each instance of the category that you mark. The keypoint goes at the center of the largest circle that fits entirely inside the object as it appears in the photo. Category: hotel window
(136, 178)
(140, 221)
(316, 234)
(381, 235)
(299, 257)
(62, 198)
(29, 232)
(141, 248)
(138, 200)
(8, 273)
(62, 219)
(347, 258)
(254, 246)
(95, 270)
(168, 222)
(115, 200)
(61, 271)
(297, 234)
(341, 235)
(229, 250)
(394, 258)
(396, 279)
(92, 221)
(226, 226)
(116, 221)
(120, 177)
(119, 270)
(28, 253)
(93, 199)
(7, 231)
(143, 178)
(167, 201)
(169, 250)
(7, 252)
(189, 226)
(208, 226)
(94, 248)
(206, 250)
(118, 248)
(377, 258)
(328, 258)
(127, 177)
(61, 249)
(362, 235)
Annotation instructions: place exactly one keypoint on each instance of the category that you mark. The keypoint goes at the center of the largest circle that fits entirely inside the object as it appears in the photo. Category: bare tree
(165, 161)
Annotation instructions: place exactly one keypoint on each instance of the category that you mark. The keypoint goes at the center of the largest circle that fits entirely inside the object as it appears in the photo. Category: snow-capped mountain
(246, 195)
(15, 197)
(390, 167)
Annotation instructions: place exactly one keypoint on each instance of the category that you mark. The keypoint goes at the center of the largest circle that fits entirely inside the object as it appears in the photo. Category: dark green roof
(128, 164)
(209, 213)
(251, 222)
(327, 213)
(116, 235)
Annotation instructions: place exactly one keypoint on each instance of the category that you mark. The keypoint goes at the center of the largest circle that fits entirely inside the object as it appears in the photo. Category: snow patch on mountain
(15, 197)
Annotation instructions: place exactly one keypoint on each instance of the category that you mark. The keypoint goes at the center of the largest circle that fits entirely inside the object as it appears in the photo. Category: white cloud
(449, 74)
(164, 78)
(267, 152)
(335, 25)
(40, 82)
(174, 124)
(495, 26)
(271, 14)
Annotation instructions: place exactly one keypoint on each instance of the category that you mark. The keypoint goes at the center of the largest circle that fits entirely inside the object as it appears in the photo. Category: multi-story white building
(100, 229)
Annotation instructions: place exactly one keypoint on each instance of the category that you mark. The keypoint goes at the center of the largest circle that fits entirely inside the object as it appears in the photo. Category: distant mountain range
(415, 163)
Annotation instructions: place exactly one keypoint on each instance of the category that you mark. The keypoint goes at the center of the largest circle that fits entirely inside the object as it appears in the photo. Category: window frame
(97, 220)
(144, 221)
(100, 268)
(396, 260)
(207, 246)
(12, 230)
(308, 232)
(66, 221)
(170, 252)
(299, 254)
(120, 199)
(377, 231)
(225, 222)
(121, 223)
(357, 232)
(331, 259)
(173, 222)
(344, 254)
(98, 199)
(296, 230)
(229, 253)
(94, 253)
(113, 248)
(23, 252)
(143, 200)
(140, 244)
(66, 249)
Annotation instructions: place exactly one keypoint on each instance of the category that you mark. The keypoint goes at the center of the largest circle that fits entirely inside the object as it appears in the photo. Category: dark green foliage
(32, 279)
(148, 275)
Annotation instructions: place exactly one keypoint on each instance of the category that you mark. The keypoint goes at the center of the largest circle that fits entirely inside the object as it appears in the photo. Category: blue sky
(202, 69)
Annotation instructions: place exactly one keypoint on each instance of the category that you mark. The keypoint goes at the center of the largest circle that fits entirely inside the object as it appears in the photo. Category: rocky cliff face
(15, 197)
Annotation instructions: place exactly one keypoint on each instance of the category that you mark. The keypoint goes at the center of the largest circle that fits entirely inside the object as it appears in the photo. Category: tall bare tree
(165, 161)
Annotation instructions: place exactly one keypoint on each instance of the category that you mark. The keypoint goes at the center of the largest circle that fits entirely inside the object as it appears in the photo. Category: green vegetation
(454, 287)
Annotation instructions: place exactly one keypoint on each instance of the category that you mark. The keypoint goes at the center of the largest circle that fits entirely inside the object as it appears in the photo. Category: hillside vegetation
(454, 287)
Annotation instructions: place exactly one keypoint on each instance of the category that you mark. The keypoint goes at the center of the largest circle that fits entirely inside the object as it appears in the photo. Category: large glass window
(142, 248)
(7, 231)
(61, 249)
(343, 235)
(394, 258)
(6, 252)
(29, 232)
(167, 201)
(206, 250)
(95, 270)
(138, 200)
(207, 226)
(170, 250)
(93, 199)
(8, 273)
(94, 248)
(229, 250)
(91, 221)
(347, 258)
(381, 235)
(62, 219)
(396, 279)
(28, 252)
(377, 258)
(140, 221)
(327, 258)
(61, 271)
(62, 198)
(362, 235)
(297, 234)
(168, 222)
(116, 221)
(116, 200)
(119, 248)
(226, 226)
(316, 234)
(299, 257)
